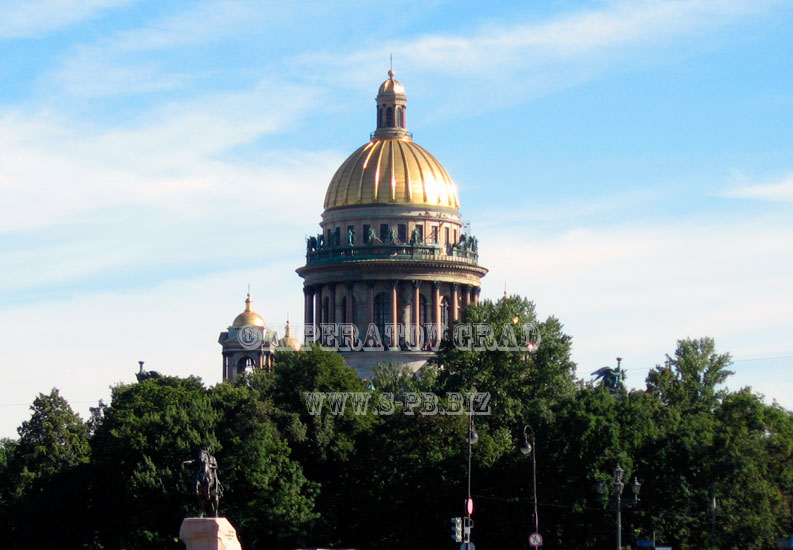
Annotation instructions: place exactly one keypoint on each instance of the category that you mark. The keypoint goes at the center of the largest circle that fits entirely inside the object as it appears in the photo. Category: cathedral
(392, 266)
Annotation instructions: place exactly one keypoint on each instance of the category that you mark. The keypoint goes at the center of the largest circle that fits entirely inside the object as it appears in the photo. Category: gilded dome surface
(248, 317)
(391, 86)
(391, 171)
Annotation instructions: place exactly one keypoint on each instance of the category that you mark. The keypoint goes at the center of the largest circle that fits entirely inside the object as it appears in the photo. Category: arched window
(382, 313)
(400, 123)
(389, 117)
(325, 310)
(245, 365)
(380, 117)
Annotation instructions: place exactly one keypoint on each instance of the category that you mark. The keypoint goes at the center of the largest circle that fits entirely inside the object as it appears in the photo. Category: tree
(45, 477)
(266, 494)
(54, 438)
(521, 385)
(323, 441)
(141, 487)
(689, 380)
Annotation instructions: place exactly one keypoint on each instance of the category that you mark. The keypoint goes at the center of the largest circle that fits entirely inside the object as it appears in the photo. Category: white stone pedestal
(209, 534)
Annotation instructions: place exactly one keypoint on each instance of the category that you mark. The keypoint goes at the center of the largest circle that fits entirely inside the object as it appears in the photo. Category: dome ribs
(406, 171)
(391, 171)
(379, 158)
(372, 146)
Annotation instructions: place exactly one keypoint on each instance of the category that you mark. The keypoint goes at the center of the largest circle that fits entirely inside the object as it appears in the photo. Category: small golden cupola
(289, 341)
(391, 168)
(391, 109)
(248, 317)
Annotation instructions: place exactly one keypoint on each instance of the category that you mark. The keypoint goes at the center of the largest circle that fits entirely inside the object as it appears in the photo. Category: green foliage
(295, 477)
(689, 380)
(147, 433)
(521, 385)
(53, 439)
(266, 493)
(42, 480)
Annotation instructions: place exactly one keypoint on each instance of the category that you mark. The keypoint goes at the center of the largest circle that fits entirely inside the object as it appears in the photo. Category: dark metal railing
(331, 254)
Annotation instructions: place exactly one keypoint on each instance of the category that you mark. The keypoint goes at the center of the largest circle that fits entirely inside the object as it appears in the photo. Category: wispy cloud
(781, 191)
(23, 18)
(53, 169)
(635, 288)
(504, 63)
(121, 63)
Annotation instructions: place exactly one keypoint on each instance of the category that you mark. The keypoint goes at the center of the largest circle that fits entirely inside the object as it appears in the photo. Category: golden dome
(248, 317)
(290, 341)
(391, 171)
(391, 86)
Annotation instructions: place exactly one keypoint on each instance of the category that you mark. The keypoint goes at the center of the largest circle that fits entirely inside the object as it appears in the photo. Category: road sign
(535, 539)
(644, 543)
(467, 546)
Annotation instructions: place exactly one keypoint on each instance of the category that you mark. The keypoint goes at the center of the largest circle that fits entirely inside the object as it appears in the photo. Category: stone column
(454, 313)
(436, 309)
(350, 300)
(394, 314)
(318, 306)
(436, 302)
(416, 309)
(466, 295)
(332, 303)
(370, 302)
(308, 312)
(476, 296)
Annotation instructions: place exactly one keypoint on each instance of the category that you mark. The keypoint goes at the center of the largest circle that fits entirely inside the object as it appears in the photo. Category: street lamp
(619, 502)
(473, 438)
(526, 448)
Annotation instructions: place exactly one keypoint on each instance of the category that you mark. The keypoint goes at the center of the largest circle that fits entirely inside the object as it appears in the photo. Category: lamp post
(620, 502)
(526, 448)
(473, 438)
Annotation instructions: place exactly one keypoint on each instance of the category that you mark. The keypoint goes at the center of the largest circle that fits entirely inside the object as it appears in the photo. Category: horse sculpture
(612, 378)
(208, 489)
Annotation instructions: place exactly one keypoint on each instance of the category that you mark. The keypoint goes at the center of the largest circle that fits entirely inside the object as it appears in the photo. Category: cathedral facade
(393, 265)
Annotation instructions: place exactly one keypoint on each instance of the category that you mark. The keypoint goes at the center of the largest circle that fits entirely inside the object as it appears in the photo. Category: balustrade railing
(330, 254)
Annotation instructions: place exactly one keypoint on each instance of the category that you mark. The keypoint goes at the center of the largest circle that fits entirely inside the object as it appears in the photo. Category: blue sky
(626, 165)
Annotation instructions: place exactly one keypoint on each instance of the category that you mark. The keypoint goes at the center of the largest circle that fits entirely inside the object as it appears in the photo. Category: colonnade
(320, 301)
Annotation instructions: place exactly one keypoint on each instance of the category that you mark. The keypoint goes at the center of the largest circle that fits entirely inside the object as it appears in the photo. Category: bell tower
(245, 344)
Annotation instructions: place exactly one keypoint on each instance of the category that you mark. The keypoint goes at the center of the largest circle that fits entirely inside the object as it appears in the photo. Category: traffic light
(468, 525)
(457, 529)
